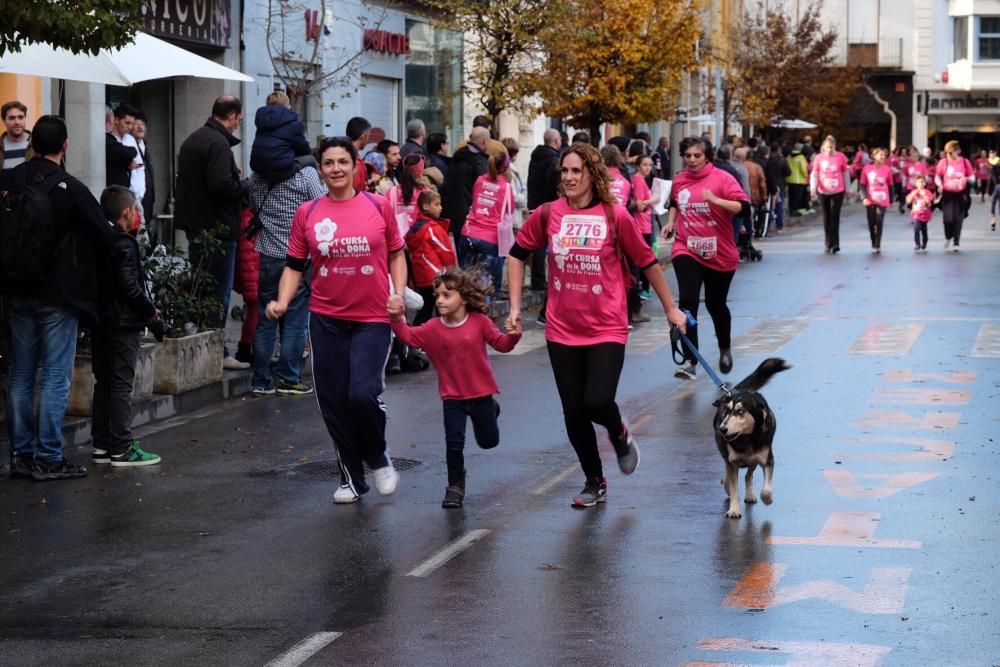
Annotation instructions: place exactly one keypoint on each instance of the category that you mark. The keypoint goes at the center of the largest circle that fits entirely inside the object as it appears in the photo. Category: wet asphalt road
(881, 546)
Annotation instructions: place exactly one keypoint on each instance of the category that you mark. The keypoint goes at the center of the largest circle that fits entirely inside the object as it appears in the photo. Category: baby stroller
(762, 221)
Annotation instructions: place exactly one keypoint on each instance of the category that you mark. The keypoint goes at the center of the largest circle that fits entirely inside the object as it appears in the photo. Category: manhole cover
(324, 469)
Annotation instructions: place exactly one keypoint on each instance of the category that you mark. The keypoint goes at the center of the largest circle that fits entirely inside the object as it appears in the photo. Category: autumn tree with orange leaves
(778, 68)
(616, 61)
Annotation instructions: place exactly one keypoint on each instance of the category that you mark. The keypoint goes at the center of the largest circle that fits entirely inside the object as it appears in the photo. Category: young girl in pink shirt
(456, 344)
(874, 186)
(921, 203)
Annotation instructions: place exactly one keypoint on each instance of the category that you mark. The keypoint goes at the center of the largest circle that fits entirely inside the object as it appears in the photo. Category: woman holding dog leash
(589, 239)
(703, 202)
(354, 250)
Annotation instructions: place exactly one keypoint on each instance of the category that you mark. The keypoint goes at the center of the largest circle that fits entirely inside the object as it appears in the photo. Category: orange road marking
(847, 529)
(928, 450)
(641, 422)
(845, 483)
(902, 420)
(804, 654)
(755, 589)
(884, 593)
(906, 375)
(907, 396)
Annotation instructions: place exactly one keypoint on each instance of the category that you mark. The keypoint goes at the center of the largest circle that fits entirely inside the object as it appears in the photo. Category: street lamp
(682, 115)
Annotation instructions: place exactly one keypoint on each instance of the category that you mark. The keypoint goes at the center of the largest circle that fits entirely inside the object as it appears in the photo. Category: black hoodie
(468, 164)
(543, 176)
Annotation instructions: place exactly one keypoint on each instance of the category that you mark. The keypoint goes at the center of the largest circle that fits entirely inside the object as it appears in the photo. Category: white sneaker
(345, 495)
(386, 479)
(231, 364)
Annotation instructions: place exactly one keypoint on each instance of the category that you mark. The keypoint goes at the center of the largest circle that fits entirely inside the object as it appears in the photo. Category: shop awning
(146, 58)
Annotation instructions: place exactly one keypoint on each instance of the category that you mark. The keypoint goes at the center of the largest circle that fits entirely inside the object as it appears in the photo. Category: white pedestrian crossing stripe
(987, 341)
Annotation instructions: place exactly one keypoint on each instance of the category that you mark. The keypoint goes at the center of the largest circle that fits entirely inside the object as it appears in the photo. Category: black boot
(455, 492)
(244, 353)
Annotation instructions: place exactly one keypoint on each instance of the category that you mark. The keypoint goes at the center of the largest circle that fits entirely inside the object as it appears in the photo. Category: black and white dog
(744, 431)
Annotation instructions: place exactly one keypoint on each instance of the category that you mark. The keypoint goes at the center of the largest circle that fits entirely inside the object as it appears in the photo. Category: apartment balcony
(885, 53)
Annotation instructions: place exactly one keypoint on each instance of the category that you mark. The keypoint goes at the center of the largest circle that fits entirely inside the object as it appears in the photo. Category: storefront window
(989, 38)
(433, 90)
(961, 46)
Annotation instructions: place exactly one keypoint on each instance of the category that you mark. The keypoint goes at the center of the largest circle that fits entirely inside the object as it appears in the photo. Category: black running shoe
(44, 471)
(20, 467)
(595, 491)
(626, 450)
(725, 361)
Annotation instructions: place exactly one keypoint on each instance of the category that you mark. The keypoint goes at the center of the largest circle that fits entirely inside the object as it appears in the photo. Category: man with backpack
(54, 241)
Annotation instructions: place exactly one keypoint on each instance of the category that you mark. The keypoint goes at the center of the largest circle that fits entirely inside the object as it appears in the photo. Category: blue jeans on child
(294, 327)
(42, 335)
(484, 412)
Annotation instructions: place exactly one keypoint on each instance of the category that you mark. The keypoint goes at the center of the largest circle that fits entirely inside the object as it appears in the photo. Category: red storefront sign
(387, 42)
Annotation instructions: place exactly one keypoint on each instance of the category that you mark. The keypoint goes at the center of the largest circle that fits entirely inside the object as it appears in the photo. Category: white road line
(448, 552)
(304, 650)
(545, 486)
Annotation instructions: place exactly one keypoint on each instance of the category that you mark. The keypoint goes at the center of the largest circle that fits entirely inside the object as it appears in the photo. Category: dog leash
(676, 337)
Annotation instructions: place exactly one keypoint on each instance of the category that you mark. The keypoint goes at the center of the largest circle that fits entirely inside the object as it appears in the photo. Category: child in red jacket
(430, 249)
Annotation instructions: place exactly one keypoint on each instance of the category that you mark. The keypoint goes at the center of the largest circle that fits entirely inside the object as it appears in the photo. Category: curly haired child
(456, 343)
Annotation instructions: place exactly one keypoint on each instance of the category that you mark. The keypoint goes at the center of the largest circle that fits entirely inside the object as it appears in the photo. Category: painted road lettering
(803, 654)
(884, 593)
(847, 529)
(927, 449)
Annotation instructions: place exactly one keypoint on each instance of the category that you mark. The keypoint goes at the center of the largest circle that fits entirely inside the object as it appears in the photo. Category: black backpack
(28, 239)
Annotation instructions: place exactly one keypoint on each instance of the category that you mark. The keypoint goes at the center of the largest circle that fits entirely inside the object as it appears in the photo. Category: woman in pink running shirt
(703, 202)
(954, 176)
(492, 199)
(983, 172)
(875, 189)
(354, 251)
(401, 199)
(828, 180)
(589, 238)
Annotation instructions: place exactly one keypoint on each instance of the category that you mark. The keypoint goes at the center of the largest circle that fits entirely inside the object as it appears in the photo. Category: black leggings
(953, 212)
(691, 274)
(587, 381)
(831, 217)
(876, 216)
(919, 234)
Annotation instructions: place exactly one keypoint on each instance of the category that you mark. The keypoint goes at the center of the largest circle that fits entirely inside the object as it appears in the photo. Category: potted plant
(190, 355)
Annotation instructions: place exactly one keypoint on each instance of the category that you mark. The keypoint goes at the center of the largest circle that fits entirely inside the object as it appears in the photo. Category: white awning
(146, 58)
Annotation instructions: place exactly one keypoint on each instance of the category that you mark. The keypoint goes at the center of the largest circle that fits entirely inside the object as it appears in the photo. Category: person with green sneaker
(115, 346)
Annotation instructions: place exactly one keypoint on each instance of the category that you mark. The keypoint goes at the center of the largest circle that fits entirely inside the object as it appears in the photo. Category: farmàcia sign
(392, 43)
(967, 103)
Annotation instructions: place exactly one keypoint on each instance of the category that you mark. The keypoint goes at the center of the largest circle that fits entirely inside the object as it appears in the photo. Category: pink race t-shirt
(914, 169)
(400, 213)
(619, 186)
(703, 231)
(877, 181)
(922, 206)
(349, 244)
(588, 279)
(954, 174)
(643, 219)
(490, 200)
(983, 169)
(829, 170)
(458, 352)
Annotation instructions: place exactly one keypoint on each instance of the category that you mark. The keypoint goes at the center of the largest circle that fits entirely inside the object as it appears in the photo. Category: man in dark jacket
(208, 196)
(45, 315)
(467, 165)
(120, 158)
(543, 187)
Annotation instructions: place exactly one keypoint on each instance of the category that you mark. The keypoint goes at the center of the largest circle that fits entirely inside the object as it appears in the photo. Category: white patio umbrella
(794, 124)
(146, 58)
